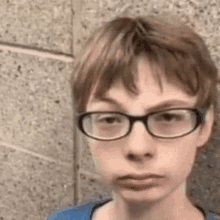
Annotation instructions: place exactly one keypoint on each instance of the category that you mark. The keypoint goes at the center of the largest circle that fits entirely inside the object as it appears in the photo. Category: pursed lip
(140, 177)
(141, 182)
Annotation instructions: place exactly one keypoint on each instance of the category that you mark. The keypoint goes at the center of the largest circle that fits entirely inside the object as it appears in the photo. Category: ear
(206, 129)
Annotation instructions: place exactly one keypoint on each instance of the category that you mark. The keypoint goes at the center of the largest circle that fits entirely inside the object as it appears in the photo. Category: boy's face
(139, 152)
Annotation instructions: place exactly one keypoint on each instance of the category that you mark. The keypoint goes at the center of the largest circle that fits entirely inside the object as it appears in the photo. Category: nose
(139, 142)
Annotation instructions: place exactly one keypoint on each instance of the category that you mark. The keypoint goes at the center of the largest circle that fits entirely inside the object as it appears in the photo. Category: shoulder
(81, 212)
(213, 216)
(209, 214)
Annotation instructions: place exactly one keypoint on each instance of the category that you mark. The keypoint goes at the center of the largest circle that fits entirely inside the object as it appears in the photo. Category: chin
(147, 197)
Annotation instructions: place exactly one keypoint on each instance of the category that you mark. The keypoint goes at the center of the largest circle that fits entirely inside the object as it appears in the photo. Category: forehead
(152, 91)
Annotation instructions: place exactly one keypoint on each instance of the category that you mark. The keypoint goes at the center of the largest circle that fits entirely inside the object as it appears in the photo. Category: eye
(169, 116)
(109, 119)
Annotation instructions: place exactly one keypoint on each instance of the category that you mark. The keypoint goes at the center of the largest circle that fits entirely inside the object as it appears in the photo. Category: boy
(145, 91)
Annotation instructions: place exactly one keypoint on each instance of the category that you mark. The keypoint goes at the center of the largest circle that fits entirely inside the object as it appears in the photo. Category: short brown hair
(112, 51)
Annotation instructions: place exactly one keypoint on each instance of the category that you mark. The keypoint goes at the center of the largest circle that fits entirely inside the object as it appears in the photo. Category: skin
(141, 153)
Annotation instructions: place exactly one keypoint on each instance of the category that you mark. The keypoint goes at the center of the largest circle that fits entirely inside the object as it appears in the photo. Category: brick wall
(42, 165)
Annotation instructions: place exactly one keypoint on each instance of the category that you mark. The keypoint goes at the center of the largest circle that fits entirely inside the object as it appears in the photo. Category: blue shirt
(85, 212)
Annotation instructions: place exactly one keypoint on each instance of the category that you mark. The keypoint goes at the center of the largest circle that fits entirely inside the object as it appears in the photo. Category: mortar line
(77, 35)
(46, 158)
(36, 52)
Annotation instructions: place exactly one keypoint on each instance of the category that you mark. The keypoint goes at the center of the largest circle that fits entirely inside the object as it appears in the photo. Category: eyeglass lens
(170, 123)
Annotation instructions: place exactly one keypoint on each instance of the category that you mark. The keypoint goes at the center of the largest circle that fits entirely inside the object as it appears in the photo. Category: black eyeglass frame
(199, 113)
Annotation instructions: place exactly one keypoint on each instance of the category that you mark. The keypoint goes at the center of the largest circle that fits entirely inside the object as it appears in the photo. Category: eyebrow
(161, 106)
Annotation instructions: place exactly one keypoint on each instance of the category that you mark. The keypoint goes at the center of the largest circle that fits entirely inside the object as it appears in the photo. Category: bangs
(112, 54)
(167, 67)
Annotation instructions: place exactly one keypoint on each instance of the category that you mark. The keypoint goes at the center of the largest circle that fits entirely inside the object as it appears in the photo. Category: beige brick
(36, 108)
(86, 162)
(42, 24)
(92, 188)
(30, 186)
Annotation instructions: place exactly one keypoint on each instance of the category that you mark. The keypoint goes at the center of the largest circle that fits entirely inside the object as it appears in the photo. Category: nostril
(131, 157)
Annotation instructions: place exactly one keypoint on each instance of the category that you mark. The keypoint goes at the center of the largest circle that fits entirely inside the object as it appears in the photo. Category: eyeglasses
(109, 126)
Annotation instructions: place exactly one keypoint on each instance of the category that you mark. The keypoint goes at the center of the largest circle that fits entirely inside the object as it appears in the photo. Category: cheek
(180, 158)
(105, 158)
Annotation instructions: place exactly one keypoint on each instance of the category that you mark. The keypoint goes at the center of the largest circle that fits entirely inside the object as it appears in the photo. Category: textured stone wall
(36, 119)
(42, 165)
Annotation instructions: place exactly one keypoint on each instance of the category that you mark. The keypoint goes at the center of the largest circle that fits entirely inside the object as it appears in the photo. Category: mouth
(138, 182)
(140, 177)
